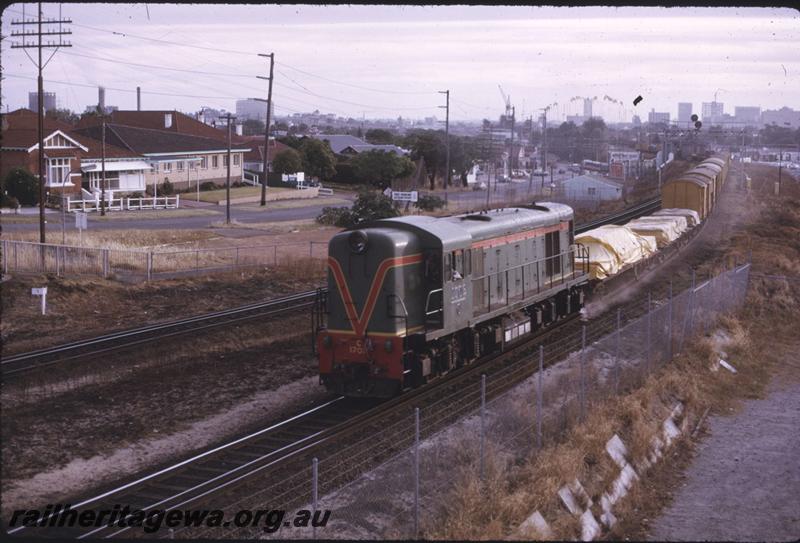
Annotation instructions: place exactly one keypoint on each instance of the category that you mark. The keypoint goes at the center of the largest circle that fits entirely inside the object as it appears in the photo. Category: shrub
(23, 186)
(8, 201)
(208, 185)
(166, 188)
(369, 206)
(429, 202)
(336, 216)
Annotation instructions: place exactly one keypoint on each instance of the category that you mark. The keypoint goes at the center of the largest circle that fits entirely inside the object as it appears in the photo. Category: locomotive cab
(376, 279)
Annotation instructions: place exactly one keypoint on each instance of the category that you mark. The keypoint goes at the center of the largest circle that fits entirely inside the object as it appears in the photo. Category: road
(243, 213)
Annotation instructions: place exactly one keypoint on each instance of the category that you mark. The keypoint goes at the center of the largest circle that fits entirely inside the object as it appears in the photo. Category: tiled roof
(340, 142)
(154, 120)
(148, 141)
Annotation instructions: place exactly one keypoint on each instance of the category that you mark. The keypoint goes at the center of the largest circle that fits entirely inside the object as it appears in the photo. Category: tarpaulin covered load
(692, 217)
(680, 222)
(613, 247)
(665, 230)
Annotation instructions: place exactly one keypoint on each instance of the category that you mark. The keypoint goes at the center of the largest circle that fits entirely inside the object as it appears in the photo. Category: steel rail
(23, 362)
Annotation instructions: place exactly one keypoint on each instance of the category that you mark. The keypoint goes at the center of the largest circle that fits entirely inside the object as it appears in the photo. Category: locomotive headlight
(327, 341)
(388, 345)
(357, 241)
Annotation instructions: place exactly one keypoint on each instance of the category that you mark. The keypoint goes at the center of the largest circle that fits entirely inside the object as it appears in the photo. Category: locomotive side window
(457, 265)
(448, 264)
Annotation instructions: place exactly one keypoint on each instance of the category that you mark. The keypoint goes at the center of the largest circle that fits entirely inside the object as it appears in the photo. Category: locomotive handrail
(428, 303)
(405, 311)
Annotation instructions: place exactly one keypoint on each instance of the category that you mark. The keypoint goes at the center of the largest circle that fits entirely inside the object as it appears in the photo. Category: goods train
(413, 298)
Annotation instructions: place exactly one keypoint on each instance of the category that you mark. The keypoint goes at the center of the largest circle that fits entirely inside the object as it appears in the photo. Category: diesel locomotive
(413, 298)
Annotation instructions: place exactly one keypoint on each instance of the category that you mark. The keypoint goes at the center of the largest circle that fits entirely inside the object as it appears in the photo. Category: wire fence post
(310, 249)
(149, 265)
(539, 400)
(274, 255)
(237, 257)
(669, 325)
(5, 257)
(649, 331)
(616, 356)
(582, 395)
(314, 495)
(483, 421)
(416, 472)
(105, 263)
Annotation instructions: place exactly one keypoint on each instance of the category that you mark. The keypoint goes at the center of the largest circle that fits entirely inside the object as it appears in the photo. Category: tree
(317, 158)
(22, 185)
(379, 136)
(370, 205)
(379, 168)
(63, 115)
(287, 161)
(252, 127)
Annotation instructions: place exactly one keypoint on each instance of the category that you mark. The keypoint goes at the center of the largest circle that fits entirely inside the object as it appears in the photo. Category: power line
(350, 84)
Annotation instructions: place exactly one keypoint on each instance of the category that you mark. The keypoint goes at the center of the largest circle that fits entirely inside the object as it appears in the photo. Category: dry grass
(123, 239)
(511, 492)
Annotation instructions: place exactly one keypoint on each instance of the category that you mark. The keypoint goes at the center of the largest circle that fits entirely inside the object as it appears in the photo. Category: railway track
(282, 451)
(15, 365)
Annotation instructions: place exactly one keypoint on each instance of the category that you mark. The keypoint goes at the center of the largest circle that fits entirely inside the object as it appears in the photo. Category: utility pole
(511, 151)
(228, 117)
(103, 172)
(447, 138)
(50, 31)
(266, 129)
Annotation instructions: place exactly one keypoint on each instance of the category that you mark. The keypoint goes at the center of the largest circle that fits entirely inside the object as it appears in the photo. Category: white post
(177, 201)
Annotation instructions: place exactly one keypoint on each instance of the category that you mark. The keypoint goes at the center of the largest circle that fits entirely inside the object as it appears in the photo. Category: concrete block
(536, 524)
(670, 431)
(607, 517)
(617, 450)
(568, 499)
(590, 529)
(577, 490)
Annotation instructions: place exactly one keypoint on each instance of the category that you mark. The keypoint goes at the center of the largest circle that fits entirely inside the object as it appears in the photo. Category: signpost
(43, 293)
(81, 223)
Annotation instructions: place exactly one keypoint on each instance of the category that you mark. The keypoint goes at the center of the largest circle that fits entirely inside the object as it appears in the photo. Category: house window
(236, 159)
(215, 161)
(204, 162)
(58, 171)
(180, 165)
(168, 166)
(225, 161)
(592, 191)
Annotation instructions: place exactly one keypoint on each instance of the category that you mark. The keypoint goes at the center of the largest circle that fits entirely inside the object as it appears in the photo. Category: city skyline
(353, 68)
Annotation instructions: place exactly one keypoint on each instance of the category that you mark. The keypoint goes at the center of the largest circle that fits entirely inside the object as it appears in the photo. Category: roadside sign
(387, 192)
(43, 293)
(404, 196)
(80, 220)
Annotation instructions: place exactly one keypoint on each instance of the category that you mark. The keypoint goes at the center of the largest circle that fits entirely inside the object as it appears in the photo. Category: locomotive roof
(459, 231)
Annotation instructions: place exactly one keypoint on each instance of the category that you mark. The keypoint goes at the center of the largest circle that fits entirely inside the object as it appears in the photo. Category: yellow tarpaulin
(611, 248)
(691, 216)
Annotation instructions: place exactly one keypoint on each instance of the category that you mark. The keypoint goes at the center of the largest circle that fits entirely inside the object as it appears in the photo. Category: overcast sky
(385, 61)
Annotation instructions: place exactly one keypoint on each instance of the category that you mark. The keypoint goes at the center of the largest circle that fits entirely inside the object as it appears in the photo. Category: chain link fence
(399, 479)
(25, 257)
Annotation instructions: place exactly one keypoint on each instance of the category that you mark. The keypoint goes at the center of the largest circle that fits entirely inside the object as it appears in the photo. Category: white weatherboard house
(589, 187)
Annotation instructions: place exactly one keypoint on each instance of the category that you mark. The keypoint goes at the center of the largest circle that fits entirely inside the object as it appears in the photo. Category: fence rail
(120, 204)
(142, 264)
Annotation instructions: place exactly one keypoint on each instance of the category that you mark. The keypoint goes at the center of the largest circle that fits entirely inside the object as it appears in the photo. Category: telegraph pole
(103, 173)
(228, 117)
(511, 151)
(447, 137)
(266, 129)
(40, 81)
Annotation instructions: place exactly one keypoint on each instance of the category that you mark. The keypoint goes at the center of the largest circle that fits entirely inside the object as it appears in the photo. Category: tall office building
(49, 101)
(657, 117)
(712, 111)
(684, 112)
(252, 109)
(748, 115)
(587, 107)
